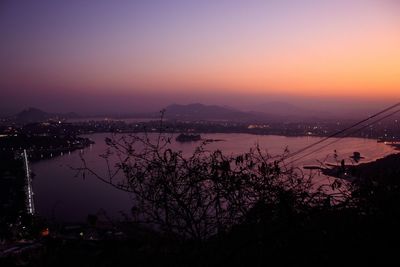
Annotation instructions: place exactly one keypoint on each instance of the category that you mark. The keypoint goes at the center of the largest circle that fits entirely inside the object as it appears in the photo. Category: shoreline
(363, 170)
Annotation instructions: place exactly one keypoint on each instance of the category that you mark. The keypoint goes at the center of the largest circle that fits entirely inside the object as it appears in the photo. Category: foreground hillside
(364, 229)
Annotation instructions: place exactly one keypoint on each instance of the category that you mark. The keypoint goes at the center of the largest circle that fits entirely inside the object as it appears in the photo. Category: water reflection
(62, 195)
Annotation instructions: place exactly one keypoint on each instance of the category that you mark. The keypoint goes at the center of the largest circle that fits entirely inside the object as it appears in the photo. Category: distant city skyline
(125, 56)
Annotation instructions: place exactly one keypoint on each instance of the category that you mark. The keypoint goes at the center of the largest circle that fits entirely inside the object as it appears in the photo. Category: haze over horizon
(131, 56)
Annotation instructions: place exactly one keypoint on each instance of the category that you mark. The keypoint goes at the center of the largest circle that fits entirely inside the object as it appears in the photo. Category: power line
(347, 135)
(342, 131)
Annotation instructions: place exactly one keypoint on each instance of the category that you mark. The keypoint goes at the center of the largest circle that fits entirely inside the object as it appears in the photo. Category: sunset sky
(203, 50)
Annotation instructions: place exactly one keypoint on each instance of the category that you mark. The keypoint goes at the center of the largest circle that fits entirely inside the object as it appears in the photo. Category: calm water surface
(61, 195)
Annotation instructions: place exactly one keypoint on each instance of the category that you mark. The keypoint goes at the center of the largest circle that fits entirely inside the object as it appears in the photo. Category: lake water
(61, 195)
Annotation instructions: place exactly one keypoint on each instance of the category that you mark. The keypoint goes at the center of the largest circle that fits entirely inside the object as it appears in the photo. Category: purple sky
(121, 56)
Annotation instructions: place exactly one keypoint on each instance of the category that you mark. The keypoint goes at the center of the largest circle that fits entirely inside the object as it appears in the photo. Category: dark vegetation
(15, 222)
(12, 195)
(212, 209)
(216, 209)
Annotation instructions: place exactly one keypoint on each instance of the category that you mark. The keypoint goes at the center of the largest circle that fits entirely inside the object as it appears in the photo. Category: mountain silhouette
(32, 115)
(199, 111)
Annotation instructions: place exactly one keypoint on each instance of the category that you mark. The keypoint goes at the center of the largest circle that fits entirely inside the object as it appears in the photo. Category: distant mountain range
(268, 112)
(291, 112)
(32, 115)
(204, 112)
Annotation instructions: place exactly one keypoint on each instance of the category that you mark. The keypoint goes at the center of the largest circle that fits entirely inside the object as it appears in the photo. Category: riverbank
(380, 169)
(40, 147)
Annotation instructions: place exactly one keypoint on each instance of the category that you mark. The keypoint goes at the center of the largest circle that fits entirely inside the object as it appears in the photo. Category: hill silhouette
(32, 115)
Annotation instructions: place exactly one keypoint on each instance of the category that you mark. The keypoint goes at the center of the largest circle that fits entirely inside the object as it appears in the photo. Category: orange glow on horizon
(352, 50)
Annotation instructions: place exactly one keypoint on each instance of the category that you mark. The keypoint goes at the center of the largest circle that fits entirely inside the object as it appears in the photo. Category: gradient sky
(152, 52)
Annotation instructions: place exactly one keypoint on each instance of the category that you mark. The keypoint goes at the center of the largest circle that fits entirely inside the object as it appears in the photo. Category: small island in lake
(188, 138)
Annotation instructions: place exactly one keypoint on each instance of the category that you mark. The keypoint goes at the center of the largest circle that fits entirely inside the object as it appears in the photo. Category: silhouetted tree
(206, 193)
